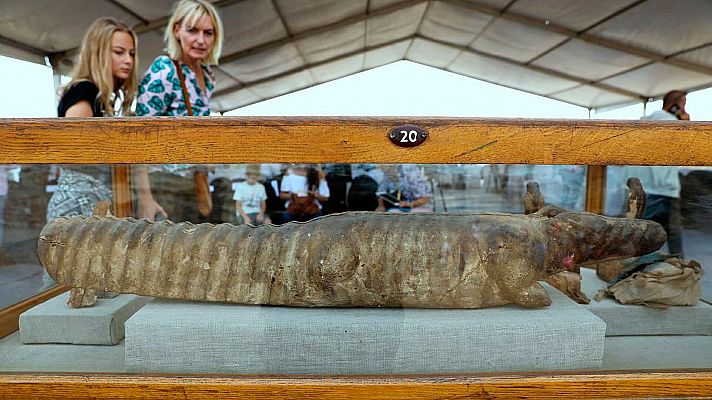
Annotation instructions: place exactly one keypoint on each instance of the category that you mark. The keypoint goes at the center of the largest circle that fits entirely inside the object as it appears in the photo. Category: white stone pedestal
(181, 337)
(55, 322)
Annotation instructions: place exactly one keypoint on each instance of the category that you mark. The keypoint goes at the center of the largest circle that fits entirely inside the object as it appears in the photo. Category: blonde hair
(191, 11)
(94, 65)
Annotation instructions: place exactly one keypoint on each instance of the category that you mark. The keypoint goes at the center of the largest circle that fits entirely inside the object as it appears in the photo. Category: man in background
(673, 108)
(662, 184)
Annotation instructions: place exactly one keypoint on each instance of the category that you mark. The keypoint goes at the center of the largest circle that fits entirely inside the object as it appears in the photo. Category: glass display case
(513, 184)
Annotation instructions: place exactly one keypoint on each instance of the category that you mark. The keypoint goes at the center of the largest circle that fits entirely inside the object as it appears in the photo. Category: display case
(561, 155)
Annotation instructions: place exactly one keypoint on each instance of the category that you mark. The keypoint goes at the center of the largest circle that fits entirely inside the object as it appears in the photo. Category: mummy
(363, 259)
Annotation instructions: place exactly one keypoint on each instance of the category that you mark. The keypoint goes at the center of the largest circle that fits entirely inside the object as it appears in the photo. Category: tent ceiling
(590, 53)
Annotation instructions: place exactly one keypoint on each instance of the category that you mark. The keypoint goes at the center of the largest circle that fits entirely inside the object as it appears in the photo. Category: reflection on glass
(278, 193)
(680, 199)
(501, 187)
(267, 193)
(25, 191)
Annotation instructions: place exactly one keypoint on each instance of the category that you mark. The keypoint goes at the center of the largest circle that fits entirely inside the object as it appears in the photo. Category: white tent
(592, 53)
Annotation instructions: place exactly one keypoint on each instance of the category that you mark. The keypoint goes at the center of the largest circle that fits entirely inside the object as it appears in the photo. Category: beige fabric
(662, 284)
(568, 283)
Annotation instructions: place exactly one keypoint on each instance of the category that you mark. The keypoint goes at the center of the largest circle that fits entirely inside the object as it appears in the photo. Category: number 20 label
(407, 135)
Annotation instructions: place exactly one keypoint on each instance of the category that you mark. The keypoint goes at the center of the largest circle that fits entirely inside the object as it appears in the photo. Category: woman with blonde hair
(180, 83)
(104, 75)
(106, 69)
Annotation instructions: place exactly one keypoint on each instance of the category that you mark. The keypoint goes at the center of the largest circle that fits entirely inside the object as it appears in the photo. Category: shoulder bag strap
(179, 70)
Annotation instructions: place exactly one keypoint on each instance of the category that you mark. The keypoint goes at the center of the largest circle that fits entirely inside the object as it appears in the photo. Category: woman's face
(196, 41)
(123, 54)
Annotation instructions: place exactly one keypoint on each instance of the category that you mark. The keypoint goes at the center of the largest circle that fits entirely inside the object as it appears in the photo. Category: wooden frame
(605, 385)
(352, 140)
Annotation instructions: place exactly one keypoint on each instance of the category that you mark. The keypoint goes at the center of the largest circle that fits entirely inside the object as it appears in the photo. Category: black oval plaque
(407, 135)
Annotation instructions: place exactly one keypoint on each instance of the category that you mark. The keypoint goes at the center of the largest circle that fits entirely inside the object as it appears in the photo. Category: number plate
(407, 135)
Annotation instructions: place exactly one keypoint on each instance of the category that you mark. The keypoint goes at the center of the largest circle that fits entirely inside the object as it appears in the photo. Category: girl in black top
(104, 83)
(104, 73)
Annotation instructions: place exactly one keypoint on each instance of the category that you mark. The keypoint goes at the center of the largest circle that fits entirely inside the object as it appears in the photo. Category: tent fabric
(595, 54)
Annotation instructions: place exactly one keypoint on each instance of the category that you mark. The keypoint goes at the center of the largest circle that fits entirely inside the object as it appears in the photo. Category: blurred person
(662, 184)
(673, 108)
(269, 171)
(404, 188)
(103, 76)
(361, 193)
(338, 177)
(304, 189)
(251, 198)
(276, 209)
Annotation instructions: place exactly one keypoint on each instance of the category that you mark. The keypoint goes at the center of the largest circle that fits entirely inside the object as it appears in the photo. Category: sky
(399, 89)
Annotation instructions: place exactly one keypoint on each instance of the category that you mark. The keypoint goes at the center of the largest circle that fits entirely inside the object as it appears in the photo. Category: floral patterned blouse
(411, 182)
(160, 93)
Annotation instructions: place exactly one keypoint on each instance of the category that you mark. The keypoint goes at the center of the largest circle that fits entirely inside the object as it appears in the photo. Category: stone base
(59, 358)
(55, 322)
(657, 352)
(631, 320)
(182, 337)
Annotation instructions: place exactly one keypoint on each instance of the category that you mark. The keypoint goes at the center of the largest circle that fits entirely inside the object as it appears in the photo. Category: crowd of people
(279, 193)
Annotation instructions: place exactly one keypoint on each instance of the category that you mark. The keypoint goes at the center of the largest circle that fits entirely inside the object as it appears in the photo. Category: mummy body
(341, 260)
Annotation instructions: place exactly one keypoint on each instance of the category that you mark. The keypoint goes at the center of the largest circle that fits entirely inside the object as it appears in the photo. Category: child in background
(250, 198)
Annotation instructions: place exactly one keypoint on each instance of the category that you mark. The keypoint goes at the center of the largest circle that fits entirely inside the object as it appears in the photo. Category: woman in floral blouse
(194, 38)
(409, 186)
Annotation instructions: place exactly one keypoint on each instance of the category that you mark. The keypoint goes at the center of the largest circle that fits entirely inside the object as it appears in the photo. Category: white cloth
(660, 181)
(298, 184)
(250, 196)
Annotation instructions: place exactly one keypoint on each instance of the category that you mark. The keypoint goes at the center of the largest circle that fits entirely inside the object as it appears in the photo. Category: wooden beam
(352, 140)
(596, 188)
(121, 190)
(604, 385)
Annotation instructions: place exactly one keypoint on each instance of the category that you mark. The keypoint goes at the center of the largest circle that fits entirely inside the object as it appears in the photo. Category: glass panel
(680, 198)
(25, 191)
(450, 292)
(453, 188)
(678, 336)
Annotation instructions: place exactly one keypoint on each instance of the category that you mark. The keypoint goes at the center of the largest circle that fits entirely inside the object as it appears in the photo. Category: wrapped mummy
(342, 260)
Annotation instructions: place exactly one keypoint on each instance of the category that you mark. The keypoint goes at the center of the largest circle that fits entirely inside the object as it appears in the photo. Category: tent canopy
(595, 54)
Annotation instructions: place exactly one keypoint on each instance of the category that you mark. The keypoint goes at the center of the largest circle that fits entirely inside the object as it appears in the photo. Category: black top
(81, 91)
(87, 91)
